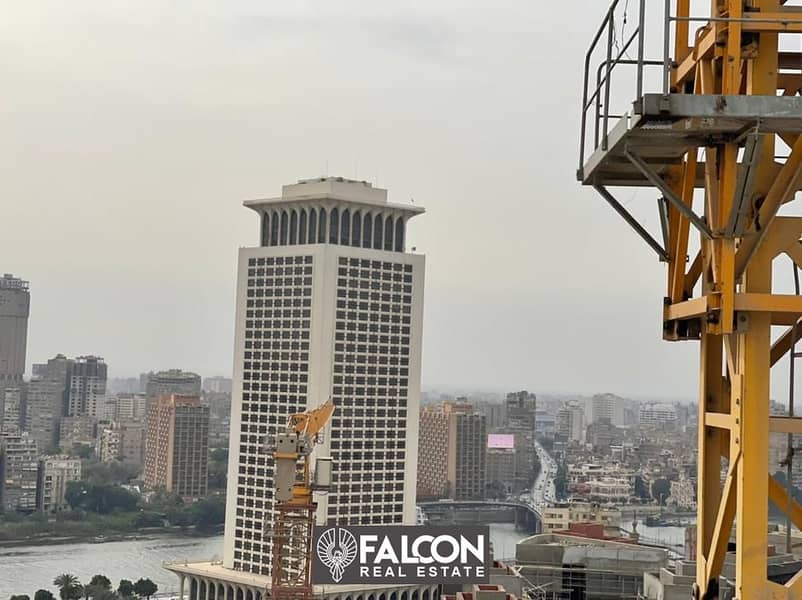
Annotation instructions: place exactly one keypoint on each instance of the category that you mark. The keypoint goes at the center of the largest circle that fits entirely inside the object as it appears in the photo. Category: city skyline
(138, 221)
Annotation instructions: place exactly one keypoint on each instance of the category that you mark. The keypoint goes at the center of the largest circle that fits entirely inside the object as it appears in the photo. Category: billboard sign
(398, 555)
(504, 441)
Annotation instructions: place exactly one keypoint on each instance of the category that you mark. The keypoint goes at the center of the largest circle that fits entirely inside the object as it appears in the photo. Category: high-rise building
(55, 472)
(19, 468)
(571, 422)
(172, 381)
(126, 407)
(607, 407)
(177, 446)
(521, 421)
(15, 300)
(657, 414)
(217, 385)
(123, 441)
(12, 401)
(452, 447)
(43, 411)
(86, 387)
(433, 443)
(329, 305)
(77, 431)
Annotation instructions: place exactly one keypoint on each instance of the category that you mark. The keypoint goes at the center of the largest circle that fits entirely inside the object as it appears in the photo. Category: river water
(25, 569)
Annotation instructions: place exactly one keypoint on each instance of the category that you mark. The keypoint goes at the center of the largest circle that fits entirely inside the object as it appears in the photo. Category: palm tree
(69, 588)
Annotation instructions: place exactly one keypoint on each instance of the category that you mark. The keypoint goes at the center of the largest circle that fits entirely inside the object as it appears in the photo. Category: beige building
(123, 441)
(177, 446)
(432, 450)
(55, 472)
(452, 465)
(558, 516)
(75, 431)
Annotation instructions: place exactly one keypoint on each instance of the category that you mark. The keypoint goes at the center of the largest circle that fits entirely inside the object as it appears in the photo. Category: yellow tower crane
(721, 142)
(295, 507)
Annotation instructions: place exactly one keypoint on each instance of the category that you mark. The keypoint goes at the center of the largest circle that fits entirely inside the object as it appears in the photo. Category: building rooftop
(9, 282)
(216, 570)
(332, 188)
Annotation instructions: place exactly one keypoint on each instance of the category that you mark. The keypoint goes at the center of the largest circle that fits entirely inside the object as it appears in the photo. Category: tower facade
(172, 381)
(86, 386)
(177, 446)
(15, 303)
(329, 305)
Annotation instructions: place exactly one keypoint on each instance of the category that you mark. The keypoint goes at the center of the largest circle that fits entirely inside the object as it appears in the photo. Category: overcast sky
(132, 131)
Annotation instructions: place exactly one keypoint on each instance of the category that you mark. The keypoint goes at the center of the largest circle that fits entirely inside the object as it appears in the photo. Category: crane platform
(663, 127)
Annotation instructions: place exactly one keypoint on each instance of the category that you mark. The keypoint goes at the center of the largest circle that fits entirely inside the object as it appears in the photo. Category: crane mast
(721, 142)
(295, 506)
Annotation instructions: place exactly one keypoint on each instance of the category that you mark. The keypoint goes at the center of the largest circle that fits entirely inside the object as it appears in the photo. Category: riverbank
(97, 530)
(25, 569)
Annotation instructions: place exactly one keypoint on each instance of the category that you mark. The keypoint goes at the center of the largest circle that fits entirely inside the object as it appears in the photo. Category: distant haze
(132, 132)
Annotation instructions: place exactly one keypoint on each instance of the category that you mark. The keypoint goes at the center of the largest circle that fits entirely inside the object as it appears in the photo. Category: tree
(125, 589)
(43, 595)
(209, 512)
(69, 587)
(82, 451)
(101, 581)
(145, 588)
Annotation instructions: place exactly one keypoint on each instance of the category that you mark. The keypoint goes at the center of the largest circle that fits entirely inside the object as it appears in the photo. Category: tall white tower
(330, 305)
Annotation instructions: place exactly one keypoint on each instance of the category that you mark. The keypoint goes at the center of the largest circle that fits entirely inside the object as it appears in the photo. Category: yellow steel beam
(703, 49)
(688, 309)
(710, 446)
(779, 495)
(720, 420)
(783, 344)
(724, 519)
(785, 425)
(782, 190)
(694, 272)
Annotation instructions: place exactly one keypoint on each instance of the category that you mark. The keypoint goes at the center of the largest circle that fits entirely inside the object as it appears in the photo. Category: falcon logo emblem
(336, 549)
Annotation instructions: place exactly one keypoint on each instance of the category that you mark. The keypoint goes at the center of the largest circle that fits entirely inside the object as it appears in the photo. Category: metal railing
(598, 99)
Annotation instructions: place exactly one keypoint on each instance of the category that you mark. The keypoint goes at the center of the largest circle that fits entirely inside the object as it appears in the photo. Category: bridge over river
(525, 516)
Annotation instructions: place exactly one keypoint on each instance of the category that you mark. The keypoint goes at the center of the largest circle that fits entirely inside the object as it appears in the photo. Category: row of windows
(283, 227)
(277, 332)
(280, 260)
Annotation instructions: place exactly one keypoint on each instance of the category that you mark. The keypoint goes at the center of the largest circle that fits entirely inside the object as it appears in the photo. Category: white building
(657, 414)
(571, 422)
(56, 473)
(607, 406)
(330, 305)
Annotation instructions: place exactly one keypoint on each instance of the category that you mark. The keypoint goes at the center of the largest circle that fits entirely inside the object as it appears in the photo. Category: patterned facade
(327, 307)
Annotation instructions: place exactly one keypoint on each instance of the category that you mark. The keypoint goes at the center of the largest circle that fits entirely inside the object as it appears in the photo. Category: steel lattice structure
(709, 143)
(292, 552)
